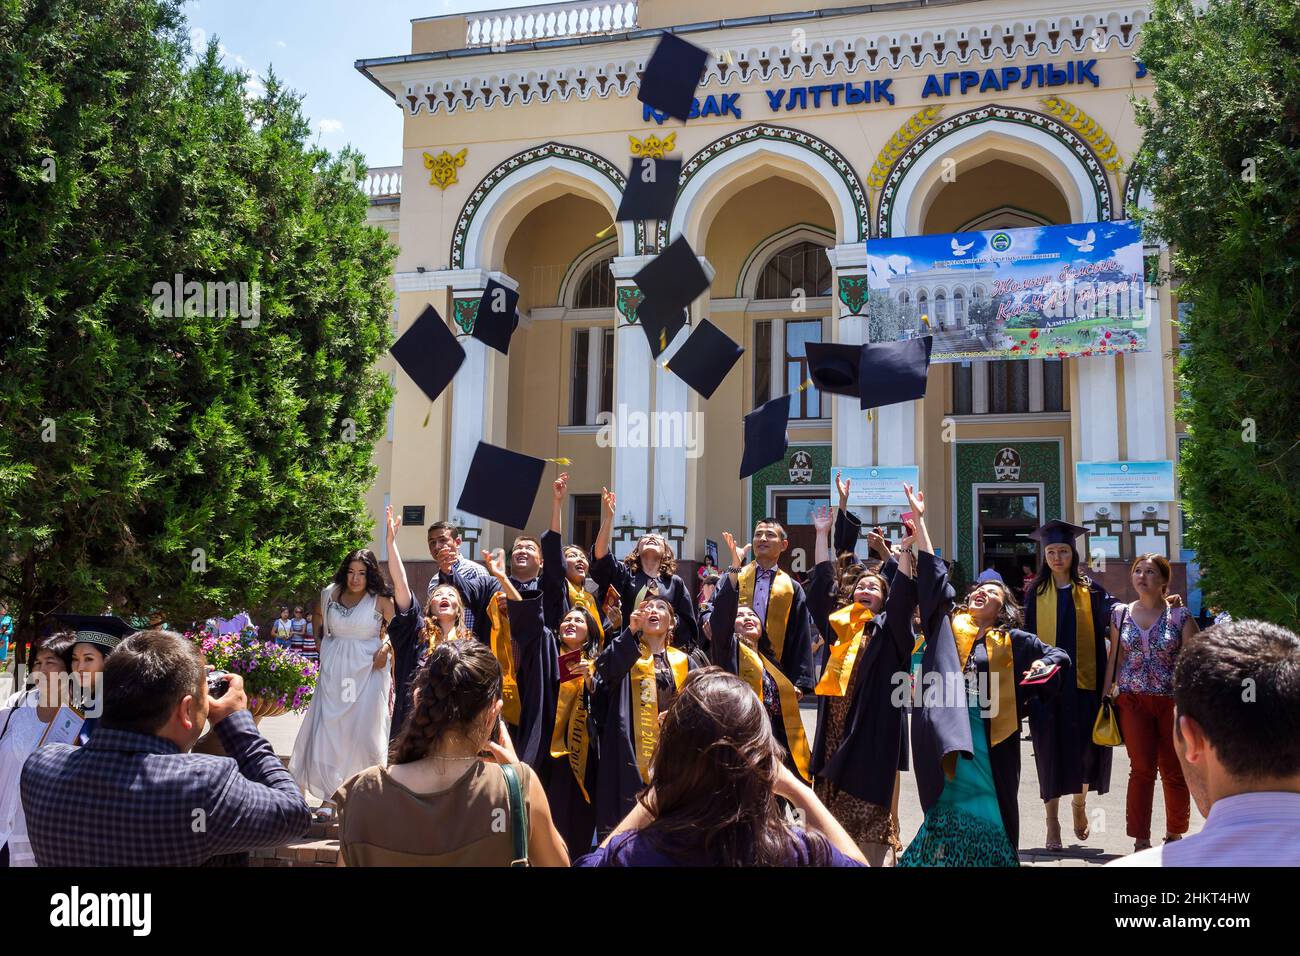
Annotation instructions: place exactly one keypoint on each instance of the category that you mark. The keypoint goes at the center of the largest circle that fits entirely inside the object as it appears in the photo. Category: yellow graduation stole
(1085, 634)
(779, 602)
(1001, 662)
(849, 624)
(645, 701)
(569, 738)
(752, 666)
(503, 650)
(580, 597)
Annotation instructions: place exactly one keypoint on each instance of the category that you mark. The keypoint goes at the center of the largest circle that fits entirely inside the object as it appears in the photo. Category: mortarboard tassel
(606, 231)
(427, 416)
(566, 462)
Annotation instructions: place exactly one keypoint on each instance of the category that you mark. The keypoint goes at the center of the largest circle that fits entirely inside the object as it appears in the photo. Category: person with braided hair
(444, 800)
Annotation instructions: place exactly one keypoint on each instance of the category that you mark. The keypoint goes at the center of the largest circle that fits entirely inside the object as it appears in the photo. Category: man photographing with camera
(134, 795)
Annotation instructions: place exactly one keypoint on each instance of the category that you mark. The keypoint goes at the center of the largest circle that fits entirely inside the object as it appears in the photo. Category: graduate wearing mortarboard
(966, 757)
(97, 638)
(1068, 610)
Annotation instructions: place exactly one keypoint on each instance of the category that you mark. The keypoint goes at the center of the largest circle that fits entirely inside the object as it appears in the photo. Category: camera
(218, 683)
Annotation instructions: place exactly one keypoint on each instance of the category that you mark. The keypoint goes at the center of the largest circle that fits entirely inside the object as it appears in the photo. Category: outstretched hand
(560, 487)
(843, 486)
(822, 518)
(737, 555)
(495, 562)
(394, 524)
(608, 501)
(916, 499)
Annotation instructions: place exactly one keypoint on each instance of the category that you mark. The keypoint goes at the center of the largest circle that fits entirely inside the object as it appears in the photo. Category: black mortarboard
(674, 278)
(1057, 531)
(661, 325)
(765, 440)
(501, 485)
(705, 358)
(103, 632)
(496, 318)
(429, 353)
(651, 189)
(834, 367)
(673, 72)
(892, 372)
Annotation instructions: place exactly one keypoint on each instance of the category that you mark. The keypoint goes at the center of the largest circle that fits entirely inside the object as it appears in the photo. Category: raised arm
(496, 565)
(722, 647)
(559, 488)
(396, 570)
(620, 654)
(608, 502)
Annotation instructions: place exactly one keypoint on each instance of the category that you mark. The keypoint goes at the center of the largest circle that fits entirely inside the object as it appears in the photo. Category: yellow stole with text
(503, 650)
(850, 626)
(1085, 634)
(581, 597)
(779, 602)
(645, 702)
(997, 642)
(752, 667)
(569, 738)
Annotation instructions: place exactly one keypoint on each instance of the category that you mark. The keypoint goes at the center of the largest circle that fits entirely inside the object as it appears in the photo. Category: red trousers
(1147, 723)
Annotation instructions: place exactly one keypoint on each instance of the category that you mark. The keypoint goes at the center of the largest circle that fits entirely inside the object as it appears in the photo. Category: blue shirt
(763, 590)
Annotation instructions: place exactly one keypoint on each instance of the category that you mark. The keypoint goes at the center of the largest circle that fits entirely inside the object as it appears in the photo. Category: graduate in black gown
(777, 598)
(966, 733)
(1070, 611)
(564, 576)
(649, 569)
(641, 673)
(861, 741)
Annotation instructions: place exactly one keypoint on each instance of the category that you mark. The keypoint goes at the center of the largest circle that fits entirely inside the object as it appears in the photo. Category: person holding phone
(445, 793)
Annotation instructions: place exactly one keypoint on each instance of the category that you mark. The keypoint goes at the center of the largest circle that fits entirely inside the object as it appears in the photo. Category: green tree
(1221, 155)
(193, 460)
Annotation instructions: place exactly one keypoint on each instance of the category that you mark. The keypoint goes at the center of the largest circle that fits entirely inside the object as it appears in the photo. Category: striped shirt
(1247, 829)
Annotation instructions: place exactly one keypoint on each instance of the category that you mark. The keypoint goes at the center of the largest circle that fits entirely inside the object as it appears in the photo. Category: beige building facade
(816, 133)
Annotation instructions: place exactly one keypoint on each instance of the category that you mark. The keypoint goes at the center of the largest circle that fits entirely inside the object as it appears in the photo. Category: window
(977, 295)
(940, 317)
(607, 371)
(1053, 385)
(762, 362)
(596, 291)
(923, 303)
(586, 520)
(961, 388)
(1009, 386)
(959, 307)
(593, 375)
(801, 266)
(806, 403)
(578, 397)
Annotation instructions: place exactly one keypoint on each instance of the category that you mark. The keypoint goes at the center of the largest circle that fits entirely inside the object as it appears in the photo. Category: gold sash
(752, 666)
(779, 600)
(849, 624)
(503, 650)
(997, 642)
(645, 701)
(1085, 634)
(569, 738)
(581, 597)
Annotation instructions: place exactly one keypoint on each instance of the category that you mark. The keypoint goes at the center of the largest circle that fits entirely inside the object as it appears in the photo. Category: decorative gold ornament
(652, 146)
(898, 144)
(443, 167)
(1089, 129)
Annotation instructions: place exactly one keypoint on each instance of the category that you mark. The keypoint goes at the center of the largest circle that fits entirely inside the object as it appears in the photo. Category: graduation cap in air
(705, 358)
(429, 353)
(892, 372)
(501, 485)
(651, 189)
(670, 282)
(1057, 531)
(671, 76)
(497, 316)
(765, 440)
(833, 367)
(105, 632)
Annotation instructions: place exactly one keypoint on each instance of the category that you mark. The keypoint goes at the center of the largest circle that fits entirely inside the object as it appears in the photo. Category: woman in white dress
(346, 727)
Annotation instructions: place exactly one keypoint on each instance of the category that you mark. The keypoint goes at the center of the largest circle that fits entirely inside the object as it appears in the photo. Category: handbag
(1105, 729)
(518, 815)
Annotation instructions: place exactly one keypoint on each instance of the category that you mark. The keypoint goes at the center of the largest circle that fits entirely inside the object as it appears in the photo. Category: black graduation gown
(618, 780)
(1061, 728)
(848, 528)
(410, 651)
(609, 572)
(874, 745)
(797, 661)
(942, 729)
(555, 584)
(537, 651)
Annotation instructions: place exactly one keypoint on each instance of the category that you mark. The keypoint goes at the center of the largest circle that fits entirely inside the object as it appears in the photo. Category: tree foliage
(1221, 156)
(192, 462)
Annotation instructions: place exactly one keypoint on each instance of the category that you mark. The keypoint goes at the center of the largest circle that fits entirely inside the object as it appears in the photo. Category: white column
(1098, 417)
(850, 429)
(595, 357)
(632, 375)
(1146, 416)
(1035, 385)
(979, 386)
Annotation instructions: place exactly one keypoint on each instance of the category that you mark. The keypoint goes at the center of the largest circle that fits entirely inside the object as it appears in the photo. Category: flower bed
(276, 679)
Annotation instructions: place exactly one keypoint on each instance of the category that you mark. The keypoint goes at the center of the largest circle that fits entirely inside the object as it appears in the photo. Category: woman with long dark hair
(972, 700)
(1066, 609)
(347, 722)
(445, 795)
(717, 774)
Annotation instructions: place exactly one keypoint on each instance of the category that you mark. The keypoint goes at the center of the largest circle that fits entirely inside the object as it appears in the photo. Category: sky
(312, 44)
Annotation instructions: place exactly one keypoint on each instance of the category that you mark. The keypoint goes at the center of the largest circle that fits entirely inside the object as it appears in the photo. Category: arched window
(940, 316)
(904, 298)
(801, 266)
(977, 295)
(959, 307)
(923, 303)
(596, 290)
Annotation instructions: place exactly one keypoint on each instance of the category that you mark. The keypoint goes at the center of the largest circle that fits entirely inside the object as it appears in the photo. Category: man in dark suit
(134, 795)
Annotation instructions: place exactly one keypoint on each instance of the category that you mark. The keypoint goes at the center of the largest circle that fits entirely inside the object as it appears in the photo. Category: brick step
(305, 852)
(323, 831)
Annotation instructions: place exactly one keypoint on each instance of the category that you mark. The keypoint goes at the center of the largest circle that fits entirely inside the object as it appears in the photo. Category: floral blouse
(1149, 655)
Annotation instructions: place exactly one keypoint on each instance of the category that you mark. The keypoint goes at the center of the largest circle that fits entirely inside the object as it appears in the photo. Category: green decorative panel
(628, 301)
(818, 457)
(463, 312)
(853, 293)
(982, 463)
